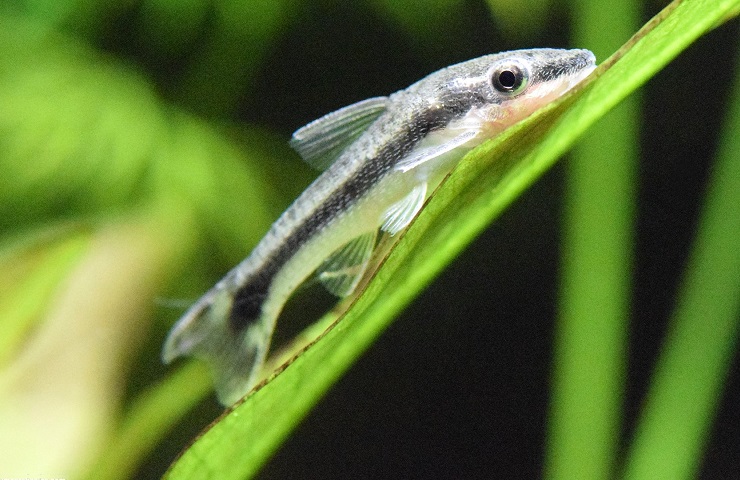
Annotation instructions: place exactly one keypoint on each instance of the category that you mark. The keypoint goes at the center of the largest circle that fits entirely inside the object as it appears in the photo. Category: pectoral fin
(320, 142)
(425, 154)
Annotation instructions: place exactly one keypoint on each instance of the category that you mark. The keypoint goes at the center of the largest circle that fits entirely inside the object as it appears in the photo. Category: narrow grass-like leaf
(75, 361)
(703, 335)
(484, 183)
(152, 415)
(596, 268)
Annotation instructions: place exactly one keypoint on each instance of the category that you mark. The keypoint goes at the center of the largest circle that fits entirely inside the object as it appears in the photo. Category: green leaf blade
(596, 268)
(703, 333)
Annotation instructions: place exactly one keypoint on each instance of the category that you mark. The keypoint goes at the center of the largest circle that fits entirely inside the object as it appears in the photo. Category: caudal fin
(235, 357)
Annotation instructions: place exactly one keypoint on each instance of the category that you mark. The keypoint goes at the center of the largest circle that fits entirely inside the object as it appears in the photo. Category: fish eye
(509, 79)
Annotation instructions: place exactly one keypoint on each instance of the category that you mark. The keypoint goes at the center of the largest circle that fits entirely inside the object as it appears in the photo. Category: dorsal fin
(320, 142)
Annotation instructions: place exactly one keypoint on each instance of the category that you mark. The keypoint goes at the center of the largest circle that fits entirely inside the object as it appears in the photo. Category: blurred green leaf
(422, 18)
(85, 17)
(151, 416)
(519, 21)
(60, 393)
(31, 267)
(171, 27)
(596, 270)
(81, 134)
(223, 69)
(702, 340)
(75, 133)
(87, 138)
(488, 180)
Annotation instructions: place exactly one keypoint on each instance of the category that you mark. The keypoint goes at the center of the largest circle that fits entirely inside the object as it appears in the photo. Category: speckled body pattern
(231, 325)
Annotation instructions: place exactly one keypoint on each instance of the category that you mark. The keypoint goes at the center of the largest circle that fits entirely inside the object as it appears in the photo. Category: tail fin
(234, 356)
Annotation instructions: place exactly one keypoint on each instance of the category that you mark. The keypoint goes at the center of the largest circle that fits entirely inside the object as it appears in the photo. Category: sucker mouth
(573, 80)
(589, 60)
(566, 82)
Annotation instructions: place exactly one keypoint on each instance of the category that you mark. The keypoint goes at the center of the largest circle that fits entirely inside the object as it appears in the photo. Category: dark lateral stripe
(249, 298)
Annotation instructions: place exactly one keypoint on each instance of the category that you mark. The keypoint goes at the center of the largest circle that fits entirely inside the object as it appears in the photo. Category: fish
(380, 159)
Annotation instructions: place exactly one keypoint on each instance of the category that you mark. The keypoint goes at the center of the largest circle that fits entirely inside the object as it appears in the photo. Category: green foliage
(118, 175)
(704, 329)
(596, 271)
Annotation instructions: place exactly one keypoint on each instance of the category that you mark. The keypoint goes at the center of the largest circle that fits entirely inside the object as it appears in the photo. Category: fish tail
(234, 355)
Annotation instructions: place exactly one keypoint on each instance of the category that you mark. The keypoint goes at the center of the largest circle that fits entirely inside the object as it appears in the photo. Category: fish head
(493, 92)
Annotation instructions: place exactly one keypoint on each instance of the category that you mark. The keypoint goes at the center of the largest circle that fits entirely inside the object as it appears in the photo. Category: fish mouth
(585, 60)
(573, 80)
(586, 64)
(582, 64)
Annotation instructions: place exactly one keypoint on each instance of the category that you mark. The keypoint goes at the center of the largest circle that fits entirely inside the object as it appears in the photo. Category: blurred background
(143, 152)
